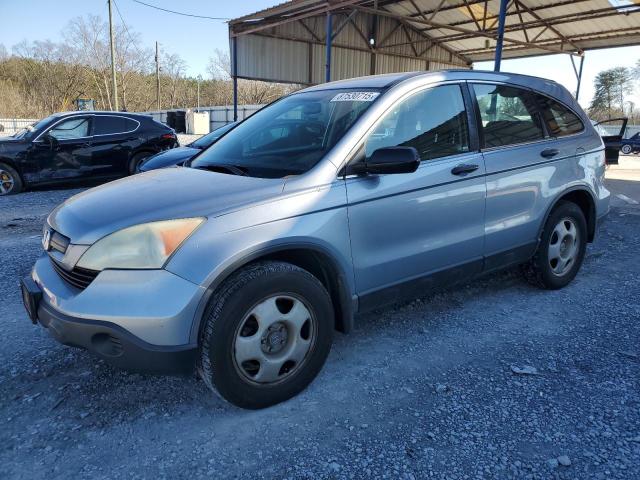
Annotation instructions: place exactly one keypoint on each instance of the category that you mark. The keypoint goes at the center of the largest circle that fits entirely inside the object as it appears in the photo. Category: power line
(133, 42)
(180, 13)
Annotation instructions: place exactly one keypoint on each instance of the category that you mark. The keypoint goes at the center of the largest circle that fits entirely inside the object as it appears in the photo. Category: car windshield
(289, 136)
(209, 138)
(32, 128)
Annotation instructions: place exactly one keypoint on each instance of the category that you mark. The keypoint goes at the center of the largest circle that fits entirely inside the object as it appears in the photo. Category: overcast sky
(196, 39)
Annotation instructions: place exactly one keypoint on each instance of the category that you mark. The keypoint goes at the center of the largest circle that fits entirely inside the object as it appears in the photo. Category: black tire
(10, 181)
(136, 161)
(228, 309)
(626, 149)
(539, 270)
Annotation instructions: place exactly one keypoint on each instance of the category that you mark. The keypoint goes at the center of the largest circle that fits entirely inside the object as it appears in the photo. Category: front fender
(316, 221)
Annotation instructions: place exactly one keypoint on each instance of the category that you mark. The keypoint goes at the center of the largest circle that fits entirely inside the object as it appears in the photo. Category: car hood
(163, 194)
(10, 144)
(169, 158)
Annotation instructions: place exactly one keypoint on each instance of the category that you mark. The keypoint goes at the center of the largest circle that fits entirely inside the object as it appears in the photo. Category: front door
(63, 152)
(612, 132)
(405, 227)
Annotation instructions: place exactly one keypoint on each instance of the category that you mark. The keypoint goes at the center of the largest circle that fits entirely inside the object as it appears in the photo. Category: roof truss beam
(594, 14)
(444, 26)
(602, 35)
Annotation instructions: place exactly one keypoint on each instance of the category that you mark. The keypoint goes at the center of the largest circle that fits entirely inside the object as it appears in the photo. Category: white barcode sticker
(355, 97)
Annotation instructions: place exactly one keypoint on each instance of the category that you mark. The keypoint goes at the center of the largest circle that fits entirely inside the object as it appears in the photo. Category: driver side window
(433, 121)
(70, 129)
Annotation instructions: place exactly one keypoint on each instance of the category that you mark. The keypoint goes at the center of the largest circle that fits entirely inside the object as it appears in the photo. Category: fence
(12, 125)
(218, 116)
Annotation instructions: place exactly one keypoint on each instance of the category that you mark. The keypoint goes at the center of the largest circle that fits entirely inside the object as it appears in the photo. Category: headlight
(148, 245)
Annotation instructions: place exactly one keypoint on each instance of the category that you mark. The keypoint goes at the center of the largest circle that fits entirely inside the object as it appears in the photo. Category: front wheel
(267, 333)
(10, 181)
(561, 250)
(626, 149)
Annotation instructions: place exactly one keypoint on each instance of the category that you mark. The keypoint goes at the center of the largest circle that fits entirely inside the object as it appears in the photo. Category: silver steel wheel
(6, 181)
(563, 246)
(274, 338)
(626, 149)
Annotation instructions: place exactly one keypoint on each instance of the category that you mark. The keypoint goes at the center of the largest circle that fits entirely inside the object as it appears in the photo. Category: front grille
(78, 277)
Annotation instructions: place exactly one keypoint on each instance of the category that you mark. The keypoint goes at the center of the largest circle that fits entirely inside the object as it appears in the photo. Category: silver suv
(333, 200)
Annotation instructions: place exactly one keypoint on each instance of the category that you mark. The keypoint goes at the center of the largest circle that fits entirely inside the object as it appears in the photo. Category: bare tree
(51, 73)
(173, 69)
(219, 66)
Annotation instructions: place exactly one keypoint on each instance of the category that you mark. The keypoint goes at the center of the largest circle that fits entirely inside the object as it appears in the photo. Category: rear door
(412, 226)
(612, 132)
(114, 139)
(518, 155)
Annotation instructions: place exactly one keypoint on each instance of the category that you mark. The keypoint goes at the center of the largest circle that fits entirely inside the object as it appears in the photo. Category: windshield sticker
(355, 97)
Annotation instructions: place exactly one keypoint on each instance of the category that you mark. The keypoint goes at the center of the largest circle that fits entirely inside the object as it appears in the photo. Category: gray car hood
(157, 195)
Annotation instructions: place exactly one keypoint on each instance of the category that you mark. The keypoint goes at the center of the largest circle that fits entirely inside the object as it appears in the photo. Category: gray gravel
(494, 379)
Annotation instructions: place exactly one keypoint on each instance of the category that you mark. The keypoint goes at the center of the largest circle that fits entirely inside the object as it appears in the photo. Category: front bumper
(115, 345)
(134, 319)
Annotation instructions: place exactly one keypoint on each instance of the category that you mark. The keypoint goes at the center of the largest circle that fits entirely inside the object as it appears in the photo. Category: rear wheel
(10, 181)
(626, 149)
(561, 249)
(137, 160)
(267, 333)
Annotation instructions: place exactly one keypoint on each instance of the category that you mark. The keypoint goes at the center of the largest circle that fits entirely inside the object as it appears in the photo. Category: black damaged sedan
(80, 146)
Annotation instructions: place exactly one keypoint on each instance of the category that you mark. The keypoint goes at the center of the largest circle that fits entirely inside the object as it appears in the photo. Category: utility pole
(199, 80)
(157, 78)
(114, 85)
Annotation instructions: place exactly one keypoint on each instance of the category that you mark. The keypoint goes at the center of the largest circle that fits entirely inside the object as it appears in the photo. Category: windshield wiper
(224, 168)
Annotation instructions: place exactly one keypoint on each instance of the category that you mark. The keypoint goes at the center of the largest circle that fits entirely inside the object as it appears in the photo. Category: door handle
(464, 168)
(550, 152)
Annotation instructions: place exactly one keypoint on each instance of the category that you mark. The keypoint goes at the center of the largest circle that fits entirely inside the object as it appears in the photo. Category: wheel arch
(144, 149)
(581, 196)
(317, 260)
(133, 153)
(16, 166)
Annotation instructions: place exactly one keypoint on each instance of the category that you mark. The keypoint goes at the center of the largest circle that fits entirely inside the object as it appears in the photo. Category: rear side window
(559, 119)
(433, 121)
(509, 115)
(112, 124)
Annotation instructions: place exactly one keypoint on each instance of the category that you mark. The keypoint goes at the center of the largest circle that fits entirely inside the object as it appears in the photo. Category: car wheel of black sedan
(626, 149)
(10, 181)
(137, 160)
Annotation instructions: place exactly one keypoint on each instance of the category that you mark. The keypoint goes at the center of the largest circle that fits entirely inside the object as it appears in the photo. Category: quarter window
(433, 121)
(70, 129)
(508, 115)
(559, 119)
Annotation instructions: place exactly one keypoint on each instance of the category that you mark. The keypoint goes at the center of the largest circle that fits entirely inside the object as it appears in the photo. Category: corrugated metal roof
(286, 42)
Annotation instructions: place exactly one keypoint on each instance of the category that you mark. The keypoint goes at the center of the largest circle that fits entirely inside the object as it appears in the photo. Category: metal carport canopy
(288, 42)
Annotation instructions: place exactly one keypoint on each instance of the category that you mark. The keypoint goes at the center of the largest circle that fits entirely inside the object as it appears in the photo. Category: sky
(196, 39)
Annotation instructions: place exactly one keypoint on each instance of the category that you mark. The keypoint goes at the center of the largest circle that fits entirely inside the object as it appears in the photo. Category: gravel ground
(494, 379)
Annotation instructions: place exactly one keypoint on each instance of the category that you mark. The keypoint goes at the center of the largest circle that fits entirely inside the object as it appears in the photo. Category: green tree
(611, 88)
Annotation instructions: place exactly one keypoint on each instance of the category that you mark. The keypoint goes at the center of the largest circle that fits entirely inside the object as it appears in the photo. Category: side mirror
(50, 140)
(392, 160)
